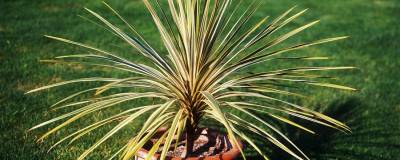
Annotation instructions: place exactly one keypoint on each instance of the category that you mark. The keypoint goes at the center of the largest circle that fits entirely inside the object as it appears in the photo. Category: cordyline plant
(202, 76)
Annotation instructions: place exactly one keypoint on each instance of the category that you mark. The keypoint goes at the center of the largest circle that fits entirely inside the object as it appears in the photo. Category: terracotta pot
(231, 154)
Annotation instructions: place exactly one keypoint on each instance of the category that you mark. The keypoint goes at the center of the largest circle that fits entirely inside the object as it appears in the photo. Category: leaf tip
(29, 92)
(343, 37)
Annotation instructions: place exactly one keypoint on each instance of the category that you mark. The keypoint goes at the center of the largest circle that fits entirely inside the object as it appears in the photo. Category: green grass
(373, 112)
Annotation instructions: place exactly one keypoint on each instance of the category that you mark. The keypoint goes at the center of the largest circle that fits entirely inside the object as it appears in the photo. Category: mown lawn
(373, 112)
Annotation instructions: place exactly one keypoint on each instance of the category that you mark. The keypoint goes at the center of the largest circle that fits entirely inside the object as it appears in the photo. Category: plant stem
(190, 138)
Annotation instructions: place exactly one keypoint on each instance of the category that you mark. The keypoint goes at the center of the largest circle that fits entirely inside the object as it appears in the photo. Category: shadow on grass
(371, 138)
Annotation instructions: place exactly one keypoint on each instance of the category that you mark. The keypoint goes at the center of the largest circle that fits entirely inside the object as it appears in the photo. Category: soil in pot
(209, 145)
